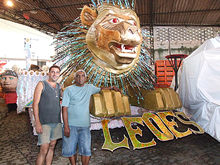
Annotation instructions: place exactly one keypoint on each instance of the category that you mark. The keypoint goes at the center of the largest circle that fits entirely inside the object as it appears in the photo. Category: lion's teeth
(123, 47)
(124, 50)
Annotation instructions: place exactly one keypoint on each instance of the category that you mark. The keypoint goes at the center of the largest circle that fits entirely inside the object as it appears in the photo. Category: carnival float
(106, 41)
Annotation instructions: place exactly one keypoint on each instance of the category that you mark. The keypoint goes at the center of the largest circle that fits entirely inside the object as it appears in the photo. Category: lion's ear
(88, 16)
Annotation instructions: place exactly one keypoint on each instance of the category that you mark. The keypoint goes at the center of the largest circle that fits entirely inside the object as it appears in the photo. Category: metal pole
(169, 41)
(176, 70)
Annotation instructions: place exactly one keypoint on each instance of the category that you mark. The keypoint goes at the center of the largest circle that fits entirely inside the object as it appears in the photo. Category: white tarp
(199, 86)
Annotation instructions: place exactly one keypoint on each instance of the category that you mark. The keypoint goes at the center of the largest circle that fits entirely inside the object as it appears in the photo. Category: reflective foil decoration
(163, 134)
(132, 132)
(172, 124)
(108, 144)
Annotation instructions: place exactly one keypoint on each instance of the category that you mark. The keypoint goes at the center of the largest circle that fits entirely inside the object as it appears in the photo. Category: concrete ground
(18, 147)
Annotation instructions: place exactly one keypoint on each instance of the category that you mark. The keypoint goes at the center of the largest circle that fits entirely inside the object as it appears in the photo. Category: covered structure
(199, 82)
(52, 16)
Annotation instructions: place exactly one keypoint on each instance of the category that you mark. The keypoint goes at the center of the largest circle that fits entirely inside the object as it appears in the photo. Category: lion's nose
(131, 31)
(131, 36)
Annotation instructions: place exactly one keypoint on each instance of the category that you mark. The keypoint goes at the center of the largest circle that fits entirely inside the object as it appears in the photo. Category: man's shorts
(80, 136)
(52, 131)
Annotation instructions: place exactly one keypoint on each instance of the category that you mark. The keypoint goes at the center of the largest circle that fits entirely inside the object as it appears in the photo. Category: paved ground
(18, 147)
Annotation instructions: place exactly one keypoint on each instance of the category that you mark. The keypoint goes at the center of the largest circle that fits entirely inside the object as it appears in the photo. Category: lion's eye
(132, 22)
(114, 20)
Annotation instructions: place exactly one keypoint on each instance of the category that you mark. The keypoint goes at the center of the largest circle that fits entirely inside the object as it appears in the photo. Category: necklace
(56, 92)
(54, 89)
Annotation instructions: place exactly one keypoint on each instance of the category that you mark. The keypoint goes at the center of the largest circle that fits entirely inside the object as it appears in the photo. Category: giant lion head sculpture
(114, 37)
(108, 43)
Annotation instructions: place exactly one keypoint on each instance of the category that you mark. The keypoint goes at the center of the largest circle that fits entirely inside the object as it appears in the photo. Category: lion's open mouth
(125, 48)
(124, 54)
(126, 51)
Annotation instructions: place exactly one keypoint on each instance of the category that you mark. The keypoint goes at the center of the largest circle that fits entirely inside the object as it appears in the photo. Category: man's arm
(61, 91)
(65, 121)
(37, 95)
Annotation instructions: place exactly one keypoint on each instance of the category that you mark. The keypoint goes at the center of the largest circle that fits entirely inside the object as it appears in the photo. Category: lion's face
(114, 38)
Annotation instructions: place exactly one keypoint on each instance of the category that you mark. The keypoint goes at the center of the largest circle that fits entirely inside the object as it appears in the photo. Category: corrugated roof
(53, 15)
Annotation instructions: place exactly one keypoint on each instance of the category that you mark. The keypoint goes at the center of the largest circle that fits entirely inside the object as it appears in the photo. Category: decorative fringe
(121, 3)
(73, 54)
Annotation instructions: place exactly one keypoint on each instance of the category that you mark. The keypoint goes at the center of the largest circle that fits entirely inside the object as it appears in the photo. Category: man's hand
(111, 88)
(66, 131)
(116, 89)
(39, 128)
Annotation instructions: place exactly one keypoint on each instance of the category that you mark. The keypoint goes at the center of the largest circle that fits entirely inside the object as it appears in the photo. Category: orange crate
(164, 72)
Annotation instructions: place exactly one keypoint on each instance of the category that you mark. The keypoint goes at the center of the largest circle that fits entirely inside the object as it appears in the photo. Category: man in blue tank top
(76, 118)
(47, 109)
